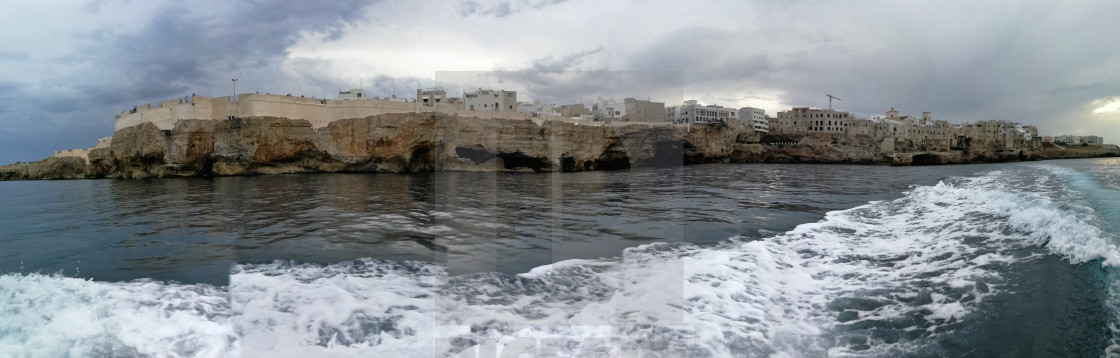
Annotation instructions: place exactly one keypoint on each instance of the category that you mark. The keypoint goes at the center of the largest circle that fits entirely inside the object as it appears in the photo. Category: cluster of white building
(924, 132)
(1074, 139)
(609, 110)
(354, 103)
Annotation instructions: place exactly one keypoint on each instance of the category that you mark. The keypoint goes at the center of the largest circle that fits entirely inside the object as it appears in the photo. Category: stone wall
(318, 112)
(72, 153)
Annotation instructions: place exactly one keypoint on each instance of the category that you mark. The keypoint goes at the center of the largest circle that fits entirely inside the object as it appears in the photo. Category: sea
(719, 260)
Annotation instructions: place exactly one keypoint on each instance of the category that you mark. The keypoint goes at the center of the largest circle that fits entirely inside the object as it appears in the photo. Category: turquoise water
(714, 260)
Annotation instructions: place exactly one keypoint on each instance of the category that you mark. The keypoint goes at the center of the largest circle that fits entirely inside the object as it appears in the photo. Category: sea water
(702, 261)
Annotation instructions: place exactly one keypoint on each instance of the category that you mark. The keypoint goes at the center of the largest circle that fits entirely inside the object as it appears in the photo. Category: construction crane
(830, 98)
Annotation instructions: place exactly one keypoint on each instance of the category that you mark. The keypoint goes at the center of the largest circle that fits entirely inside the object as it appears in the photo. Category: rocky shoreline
(426, 142)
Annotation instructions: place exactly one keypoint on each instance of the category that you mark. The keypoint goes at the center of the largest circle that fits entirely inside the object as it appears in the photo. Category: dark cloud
(503, 8)
(177, 51)
(185, 48)
(1033, 63)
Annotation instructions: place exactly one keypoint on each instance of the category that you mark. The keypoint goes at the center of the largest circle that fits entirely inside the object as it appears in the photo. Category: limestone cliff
(424, 142)
(397, 143)
(50, 168)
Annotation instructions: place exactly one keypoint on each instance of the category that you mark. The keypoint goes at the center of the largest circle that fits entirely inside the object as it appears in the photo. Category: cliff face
(397, 143)
(50, 168)
(422, 142)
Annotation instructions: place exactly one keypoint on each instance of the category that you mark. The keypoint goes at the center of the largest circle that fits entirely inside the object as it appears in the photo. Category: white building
(755, 118)
(693, 112)
(609, 109)
(490, 100)
(1079, 139)
(352, 94)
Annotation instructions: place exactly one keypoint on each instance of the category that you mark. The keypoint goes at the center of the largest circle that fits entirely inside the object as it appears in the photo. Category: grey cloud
(588, 86)
(12, 56)
(7, 89)
(807, 66)
(177, 51)
(403, 87)
(1095, 88)
(550, 64)
(182, 49)
(502, 8)
(93, 6)
(561, 79)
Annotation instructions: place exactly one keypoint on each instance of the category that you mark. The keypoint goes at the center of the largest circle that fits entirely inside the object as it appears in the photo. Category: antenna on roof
(830, 97)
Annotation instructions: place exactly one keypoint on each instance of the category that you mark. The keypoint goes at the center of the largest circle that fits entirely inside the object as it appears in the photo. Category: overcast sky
(67, 67)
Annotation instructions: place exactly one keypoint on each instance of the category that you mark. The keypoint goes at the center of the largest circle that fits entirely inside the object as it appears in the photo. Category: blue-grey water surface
(761, 260)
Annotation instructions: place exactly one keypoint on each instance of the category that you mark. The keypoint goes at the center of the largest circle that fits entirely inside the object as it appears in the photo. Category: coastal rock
(50, 168)
(394, 143)
(425, 142)
(1057, 151)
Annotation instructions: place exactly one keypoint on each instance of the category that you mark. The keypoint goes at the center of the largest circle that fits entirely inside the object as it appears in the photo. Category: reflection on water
(194, 229)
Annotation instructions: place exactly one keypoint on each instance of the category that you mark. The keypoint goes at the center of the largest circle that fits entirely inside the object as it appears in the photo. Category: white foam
(934, 254)
(351, 309)
(918, 265)
(54, 316)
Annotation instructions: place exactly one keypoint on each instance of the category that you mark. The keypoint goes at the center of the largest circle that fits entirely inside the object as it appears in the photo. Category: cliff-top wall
(318, 112)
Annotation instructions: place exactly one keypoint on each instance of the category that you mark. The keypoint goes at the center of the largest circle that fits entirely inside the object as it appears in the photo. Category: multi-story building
(1078, 139)
(810, 120)
(431, 97)
(694, 112)
(755, 118)
(636, 110)
(608, 110)
(490, 100)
